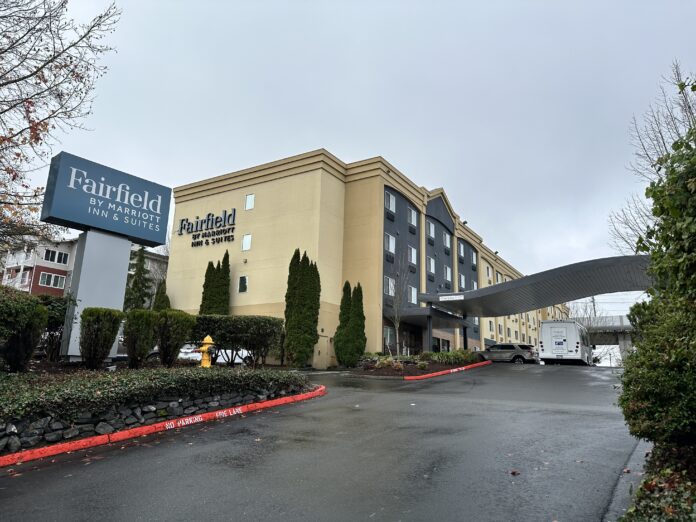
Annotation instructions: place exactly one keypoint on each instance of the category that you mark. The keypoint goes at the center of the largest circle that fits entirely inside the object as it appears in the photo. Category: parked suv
(516, 353)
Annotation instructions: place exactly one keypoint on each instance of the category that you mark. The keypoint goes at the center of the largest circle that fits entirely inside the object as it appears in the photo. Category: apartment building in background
(363, 222)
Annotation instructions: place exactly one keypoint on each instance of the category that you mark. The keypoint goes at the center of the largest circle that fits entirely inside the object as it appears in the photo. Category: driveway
(504, 442)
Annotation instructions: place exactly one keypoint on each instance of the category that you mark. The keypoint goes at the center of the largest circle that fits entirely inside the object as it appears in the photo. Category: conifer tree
(161, 301)
(341, 347)
(291, 298)
(138, 289)
(225, 283)
(208, 282)
(315, 303)
(356, 328)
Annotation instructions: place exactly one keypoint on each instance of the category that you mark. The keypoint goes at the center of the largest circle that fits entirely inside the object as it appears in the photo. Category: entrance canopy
(440, 318)
(558, 285)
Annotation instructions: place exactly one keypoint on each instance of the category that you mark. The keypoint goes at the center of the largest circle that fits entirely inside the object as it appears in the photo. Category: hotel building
(363, 222)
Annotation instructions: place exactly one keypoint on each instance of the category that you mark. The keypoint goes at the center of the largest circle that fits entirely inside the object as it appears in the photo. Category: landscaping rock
(71, 433)
(130, 420)
(190, 410)
(11, 429)
(175, 410)
(109, 416)
(118, 424)
(162, 413)
(213, 404)
(124, 412)
(13, 444)
(3, 443)
(40, 424)
(28, 442)
(54, 436)
(149, 409)
(161, 405)
(186, 404)
(57, 425)
(31, 433)
(84, 417)
(83, 428)
(149, 415)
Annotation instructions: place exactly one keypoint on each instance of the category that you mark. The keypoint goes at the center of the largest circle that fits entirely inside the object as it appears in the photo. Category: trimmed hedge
(98, 331)
(257, 334)
(173, 331)
(22, 320)
(140, 334)
(69, 394)
(57, 309)
(458, 357)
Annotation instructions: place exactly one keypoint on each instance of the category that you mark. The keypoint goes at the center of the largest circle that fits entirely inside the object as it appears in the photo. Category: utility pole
(594, 307)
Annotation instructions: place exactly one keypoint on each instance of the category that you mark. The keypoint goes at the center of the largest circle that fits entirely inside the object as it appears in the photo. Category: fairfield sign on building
(82, 194)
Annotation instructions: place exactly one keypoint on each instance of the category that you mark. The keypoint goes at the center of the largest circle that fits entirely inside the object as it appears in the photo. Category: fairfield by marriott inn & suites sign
(82, 194)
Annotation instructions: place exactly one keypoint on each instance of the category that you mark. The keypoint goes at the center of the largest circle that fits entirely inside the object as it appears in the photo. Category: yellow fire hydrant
(205, 351)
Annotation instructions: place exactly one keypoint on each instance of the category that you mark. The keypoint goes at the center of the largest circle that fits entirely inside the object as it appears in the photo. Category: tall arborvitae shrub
(290, 299)
(341, 346)
(174, 330)
(302, 310)
(140, 334)
(208, 283)
(138, 289)
(22, 321)
(356, 326)
(98, 331)
(161, 301)
(225, 283)
(314, 303)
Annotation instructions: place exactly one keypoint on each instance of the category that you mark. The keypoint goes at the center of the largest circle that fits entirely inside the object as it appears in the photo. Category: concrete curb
(446, 372)
(627, 483)
(99, 440)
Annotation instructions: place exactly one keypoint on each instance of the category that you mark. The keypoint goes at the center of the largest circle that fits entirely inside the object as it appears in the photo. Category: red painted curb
(99, 440)
(446, 372)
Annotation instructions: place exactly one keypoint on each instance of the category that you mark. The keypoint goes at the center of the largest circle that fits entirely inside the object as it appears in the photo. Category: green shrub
(422, 365)
(173, 331)
(140, 335)
(68, 394)
(659, 380)
(256, 334)
(456, 358)
(161, 300)
(22, 320)
(425, 356)
(98, 331)
(57, 309)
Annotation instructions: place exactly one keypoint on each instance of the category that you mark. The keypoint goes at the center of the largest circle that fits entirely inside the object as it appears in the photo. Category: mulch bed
(409, 369)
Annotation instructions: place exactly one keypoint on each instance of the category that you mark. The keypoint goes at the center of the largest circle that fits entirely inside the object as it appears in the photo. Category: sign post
(114, 209)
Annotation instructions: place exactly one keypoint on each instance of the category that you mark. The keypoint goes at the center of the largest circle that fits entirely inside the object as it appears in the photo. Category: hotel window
(476, 321)
(243, 284)
(52, 280)
(448, 274)
(246, 242)
(389, 243)
(249, 201)
(50, 255)
(516, 335)
(508, 331)
(461, 249)
(523, 337)
(498, 277)
(412, 217)
(390, 201)
(474, 285)
(500, 329)
(488, 272)
(462, 281)
(431, 229)
(389, 286)
(474, 258)
(431, 265)
(412, 255)
(447, 239)
(412, 295)
(63, 258)
(490, 326)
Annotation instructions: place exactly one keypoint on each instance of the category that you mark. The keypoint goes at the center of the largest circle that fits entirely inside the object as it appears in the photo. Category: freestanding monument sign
(114, 209)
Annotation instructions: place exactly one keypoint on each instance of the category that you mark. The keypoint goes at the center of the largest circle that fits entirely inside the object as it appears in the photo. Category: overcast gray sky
(531, 99)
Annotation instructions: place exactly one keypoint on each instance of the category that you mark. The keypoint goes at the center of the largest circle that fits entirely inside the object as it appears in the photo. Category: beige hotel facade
(363, 222)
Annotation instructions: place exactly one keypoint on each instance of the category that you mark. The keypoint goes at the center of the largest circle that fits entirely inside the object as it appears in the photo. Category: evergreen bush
(344, 355)
(22, 320)
(356, 326)
(140, 335)
(173, 331)
(302, 310)
(138, 289)
(57, 308)
(161, 301)
(98, 331)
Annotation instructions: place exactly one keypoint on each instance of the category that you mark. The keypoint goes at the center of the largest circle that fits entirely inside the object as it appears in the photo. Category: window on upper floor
(412, 295)
(25, 277)
(476, 321)
(498, 277)
(474, 257)
(389, 243)
(431, 265)
(249, 201)
(447, 239)
(462, 282)
(389, 286)
(412, 217)
(448, 274)
(474, 285)
(52, 280)
(516, 335)
(412, 255)
(246, 242)
(500, 329)
(243, 284)
(431, 229)
(508, 331)
(50, 255)
(63, 258)
(488, 272)
(490, 326)
(389, 201)
(461, 249)
(523, 337)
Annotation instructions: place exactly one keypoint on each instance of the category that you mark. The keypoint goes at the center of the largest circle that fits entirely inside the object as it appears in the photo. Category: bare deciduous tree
(665, 121)
(48, 70)
(400, 298)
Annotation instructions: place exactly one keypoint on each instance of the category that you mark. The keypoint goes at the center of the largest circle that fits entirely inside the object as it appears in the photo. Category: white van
(564, 340)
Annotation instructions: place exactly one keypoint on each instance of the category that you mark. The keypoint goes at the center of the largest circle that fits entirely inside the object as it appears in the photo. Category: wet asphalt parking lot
(503, 442)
